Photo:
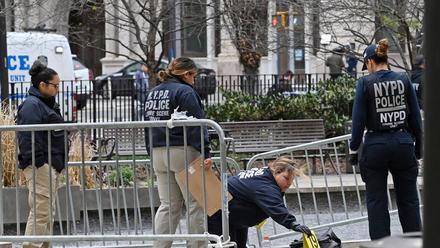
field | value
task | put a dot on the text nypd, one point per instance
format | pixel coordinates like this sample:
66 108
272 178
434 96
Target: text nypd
251 173
157 104
390 102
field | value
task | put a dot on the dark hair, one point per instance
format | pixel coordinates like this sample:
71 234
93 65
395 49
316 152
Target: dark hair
177 68
381 54
41 73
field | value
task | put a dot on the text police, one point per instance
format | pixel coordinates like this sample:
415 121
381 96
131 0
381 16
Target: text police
157 104
390 102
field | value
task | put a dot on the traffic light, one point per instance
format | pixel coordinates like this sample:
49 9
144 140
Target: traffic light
280 19
276 19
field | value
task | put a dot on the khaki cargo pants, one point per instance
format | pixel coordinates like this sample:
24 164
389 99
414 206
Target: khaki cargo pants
169 213
41 212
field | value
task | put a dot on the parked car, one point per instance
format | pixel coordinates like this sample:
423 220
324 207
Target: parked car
83 77
121 81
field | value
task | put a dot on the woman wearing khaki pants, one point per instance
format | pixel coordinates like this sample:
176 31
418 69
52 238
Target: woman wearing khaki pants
40 108
175 91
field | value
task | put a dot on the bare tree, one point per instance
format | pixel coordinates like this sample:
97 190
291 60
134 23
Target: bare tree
38 15
360 21
366 21
149 24
153 25
247 25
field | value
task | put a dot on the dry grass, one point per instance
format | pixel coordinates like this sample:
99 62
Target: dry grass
75 155
9 150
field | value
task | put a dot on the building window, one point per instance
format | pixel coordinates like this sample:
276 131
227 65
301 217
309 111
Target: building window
194 28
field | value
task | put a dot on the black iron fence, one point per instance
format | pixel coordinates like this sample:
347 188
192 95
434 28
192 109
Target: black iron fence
118 100
72 96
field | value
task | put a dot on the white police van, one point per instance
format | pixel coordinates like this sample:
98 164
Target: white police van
26 47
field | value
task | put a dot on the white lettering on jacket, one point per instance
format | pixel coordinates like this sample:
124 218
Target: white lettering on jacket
251 173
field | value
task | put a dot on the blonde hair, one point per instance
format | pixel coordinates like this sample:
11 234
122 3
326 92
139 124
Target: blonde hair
283 164
381 51
177 68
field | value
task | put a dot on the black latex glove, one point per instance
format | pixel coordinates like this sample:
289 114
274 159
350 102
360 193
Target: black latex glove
353 158
300 228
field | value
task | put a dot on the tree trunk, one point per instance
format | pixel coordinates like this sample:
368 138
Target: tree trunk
249 81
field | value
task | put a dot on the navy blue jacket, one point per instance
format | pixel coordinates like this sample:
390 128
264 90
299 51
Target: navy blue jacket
360 108
37 109
257 196
160 104
417 81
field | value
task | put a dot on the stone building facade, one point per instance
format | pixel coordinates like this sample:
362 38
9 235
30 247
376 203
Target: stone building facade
299 48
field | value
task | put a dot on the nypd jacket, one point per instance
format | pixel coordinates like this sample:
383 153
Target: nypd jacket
37 109
386 100
160 104
257 196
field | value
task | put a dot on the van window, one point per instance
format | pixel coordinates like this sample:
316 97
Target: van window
77 65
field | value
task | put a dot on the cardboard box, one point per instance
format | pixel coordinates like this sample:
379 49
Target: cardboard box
195 179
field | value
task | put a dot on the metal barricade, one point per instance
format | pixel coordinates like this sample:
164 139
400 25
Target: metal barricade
104 208
332 185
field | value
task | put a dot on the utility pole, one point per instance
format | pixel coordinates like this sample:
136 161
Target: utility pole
3 55
281 22
291 39
284 22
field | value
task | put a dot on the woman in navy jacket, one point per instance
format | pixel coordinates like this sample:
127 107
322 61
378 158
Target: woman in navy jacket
40 108
386 105
175 92
258 194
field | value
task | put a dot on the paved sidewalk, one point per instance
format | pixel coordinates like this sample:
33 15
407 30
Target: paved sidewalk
334 183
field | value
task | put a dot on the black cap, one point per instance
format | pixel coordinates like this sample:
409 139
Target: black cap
369 52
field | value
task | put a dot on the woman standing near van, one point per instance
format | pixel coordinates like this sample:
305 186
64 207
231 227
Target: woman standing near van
40 108
175 92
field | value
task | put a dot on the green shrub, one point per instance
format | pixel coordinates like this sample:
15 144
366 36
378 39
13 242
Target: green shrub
126 173
336 98
238 106
332 102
